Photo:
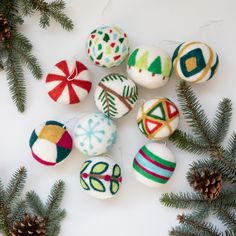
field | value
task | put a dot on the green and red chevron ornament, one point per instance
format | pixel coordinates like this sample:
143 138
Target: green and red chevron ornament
158 118
154 164
149 67
50 143
107 46
101 177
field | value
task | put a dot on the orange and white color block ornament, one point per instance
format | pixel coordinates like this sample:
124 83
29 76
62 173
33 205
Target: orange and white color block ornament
68 82
158 118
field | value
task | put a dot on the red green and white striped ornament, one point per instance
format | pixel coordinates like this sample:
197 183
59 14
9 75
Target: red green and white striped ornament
154 164
69 82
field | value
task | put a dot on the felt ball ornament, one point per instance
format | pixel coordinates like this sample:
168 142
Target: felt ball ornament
154 164
116 95
158 118
94 134
68 82
195 62
101 177
107 46
149 67
50 143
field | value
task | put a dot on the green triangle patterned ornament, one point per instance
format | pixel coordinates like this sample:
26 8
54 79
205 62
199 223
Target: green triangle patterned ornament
154 164
50 143
107 46
149 67
94 134
195 62
116 95
101 177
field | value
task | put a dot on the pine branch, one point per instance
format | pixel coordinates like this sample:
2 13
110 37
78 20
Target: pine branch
194 113
18 210
229 233
11 194
182 231
183 200
203 130
231 147
227 218
16 185
203 229
207 139
52 10
202 212
29 60
53 215
222 120
15 78
224 162
1 65
188 143
35 204
55 197
194 201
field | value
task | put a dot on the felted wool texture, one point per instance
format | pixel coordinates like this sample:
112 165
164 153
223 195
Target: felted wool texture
154 164
68 82
107 46
94 134
116 95
101 177
149 67
50 143
195 62
158 118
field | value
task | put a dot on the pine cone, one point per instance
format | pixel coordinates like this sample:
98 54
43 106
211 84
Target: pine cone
29 225
207 182
5 29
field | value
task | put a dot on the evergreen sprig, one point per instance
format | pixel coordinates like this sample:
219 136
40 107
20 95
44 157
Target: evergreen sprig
51 210
13 206
206 140
16 51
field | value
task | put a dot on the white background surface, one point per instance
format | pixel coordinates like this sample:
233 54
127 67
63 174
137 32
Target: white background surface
136 210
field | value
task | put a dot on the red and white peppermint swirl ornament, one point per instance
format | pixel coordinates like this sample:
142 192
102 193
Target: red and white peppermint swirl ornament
68 82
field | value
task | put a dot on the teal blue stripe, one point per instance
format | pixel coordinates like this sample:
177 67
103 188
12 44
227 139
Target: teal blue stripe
151 167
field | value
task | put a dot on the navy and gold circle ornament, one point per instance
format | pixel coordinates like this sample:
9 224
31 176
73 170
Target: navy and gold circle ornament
195 62
100 177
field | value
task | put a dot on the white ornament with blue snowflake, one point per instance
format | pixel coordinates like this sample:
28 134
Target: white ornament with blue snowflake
94 134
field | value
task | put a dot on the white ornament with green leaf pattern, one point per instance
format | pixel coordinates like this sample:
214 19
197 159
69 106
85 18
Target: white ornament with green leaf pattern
101 177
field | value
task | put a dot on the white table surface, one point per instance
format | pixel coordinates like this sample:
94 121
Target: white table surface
136 210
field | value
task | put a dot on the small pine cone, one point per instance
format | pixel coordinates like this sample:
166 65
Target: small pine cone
5 29
28 226
207 182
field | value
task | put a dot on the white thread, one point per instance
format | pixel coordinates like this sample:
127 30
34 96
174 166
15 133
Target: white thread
105 8
169 42
211 22
74 70
141 100
107 155
78 116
